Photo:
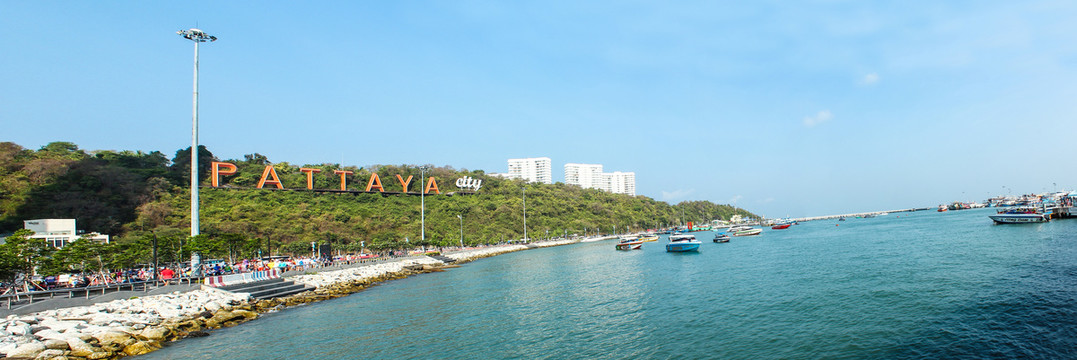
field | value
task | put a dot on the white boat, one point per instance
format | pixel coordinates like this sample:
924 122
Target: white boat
1021 215
682 243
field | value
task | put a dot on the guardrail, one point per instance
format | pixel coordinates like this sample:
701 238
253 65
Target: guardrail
87 291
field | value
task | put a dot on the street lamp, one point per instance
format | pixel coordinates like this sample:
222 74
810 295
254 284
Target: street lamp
422 199
524 190
198 36
461 217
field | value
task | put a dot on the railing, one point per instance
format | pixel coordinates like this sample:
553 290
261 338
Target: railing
87 291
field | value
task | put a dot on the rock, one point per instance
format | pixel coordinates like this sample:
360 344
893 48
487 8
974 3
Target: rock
56 344
155 333
206 314
141 347
100 355
7 347
51 354
196 334
28 350
117 338
80 348
48 334
19 329
29 319
212 306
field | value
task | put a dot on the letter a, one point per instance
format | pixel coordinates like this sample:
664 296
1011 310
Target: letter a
432 185
403 183
375 182
217 172
270 172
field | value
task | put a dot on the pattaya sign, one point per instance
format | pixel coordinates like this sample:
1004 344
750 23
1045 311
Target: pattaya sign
269 177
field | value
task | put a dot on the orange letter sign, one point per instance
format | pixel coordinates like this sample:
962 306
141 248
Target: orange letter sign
270 172
310 176
343 180
432 185
404 183
374 179
231 170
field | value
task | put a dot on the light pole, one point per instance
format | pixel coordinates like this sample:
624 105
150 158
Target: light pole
524 190
422 199
461 231
198 36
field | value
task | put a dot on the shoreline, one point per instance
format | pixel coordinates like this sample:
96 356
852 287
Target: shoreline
139 325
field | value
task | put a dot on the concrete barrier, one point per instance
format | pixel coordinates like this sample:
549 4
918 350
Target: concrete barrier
225 280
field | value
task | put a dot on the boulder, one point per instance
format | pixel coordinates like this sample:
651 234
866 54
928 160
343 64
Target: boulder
28 350
155 333
7 347
51 354
120 339
141 347
80 348
56 344
48 334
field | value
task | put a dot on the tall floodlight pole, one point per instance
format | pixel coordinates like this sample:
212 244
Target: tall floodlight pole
461 230
198 36
422 199
524 190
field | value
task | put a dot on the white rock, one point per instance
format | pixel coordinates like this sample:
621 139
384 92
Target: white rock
7 347
28 350
49 334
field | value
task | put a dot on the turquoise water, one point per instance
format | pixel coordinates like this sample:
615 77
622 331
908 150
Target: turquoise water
920 285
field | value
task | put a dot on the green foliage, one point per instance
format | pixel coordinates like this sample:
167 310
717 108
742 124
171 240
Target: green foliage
138 197
21 254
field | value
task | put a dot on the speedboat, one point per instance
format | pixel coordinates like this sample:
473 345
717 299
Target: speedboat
1021 215
649 238
682 243
721 238
629 245
744 231
781 226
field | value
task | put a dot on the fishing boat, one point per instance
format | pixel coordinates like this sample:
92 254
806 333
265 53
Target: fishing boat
943 208
629 245
1021 215
781 226
649 238
682 243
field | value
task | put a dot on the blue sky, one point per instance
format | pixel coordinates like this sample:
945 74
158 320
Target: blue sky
786 108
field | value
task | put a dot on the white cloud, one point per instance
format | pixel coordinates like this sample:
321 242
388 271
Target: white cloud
676 194
870 79
735 198
821 117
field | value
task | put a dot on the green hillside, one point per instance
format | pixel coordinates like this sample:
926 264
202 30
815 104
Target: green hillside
134 195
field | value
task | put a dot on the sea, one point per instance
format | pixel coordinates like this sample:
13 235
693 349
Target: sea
899 286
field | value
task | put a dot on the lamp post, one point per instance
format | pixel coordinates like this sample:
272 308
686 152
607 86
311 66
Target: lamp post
422 199
198 36
524 191
461 217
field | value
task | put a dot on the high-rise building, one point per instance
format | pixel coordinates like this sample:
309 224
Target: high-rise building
618 182
532 169
587 176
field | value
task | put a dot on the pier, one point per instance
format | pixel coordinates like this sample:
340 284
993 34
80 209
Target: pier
828 217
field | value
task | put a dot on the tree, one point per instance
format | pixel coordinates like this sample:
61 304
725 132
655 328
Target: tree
20 254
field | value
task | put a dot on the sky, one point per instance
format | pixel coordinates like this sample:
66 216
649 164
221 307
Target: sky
783 108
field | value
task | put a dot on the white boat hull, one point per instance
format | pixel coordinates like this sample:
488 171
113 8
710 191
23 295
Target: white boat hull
1018 218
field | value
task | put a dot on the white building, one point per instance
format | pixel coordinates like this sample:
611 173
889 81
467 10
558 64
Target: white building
58 232
618 182
532 169
587 176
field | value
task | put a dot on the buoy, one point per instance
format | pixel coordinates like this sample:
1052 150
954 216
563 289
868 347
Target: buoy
837 224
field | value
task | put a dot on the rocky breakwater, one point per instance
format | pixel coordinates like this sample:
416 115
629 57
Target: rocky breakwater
122 327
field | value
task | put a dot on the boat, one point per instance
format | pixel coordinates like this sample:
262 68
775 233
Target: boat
721 238
682 243
630 237
1020 215
744 231
841 218
781 226
629 245
649 238
943 208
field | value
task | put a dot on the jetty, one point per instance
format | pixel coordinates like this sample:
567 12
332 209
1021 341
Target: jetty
861 214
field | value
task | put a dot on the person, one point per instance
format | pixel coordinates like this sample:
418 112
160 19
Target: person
167 274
